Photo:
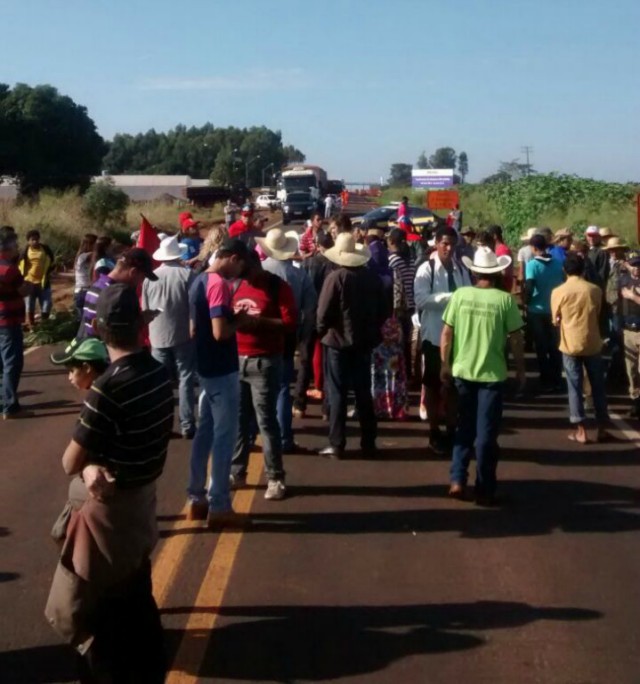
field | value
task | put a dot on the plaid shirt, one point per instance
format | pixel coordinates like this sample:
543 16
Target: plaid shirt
308 242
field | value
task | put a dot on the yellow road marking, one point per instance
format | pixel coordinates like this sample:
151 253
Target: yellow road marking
200 624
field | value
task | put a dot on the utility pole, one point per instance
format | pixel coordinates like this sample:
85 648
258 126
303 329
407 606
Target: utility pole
527 150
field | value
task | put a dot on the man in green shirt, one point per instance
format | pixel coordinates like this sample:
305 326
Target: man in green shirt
478 321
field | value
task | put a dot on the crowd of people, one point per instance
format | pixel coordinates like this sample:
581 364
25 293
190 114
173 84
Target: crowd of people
367 312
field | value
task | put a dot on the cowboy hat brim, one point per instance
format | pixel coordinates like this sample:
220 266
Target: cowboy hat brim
349 259
162 255
287 251
503 263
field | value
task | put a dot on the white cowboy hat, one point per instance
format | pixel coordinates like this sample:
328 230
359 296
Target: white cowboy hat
485 261
347 252
529 234
278 244
170 250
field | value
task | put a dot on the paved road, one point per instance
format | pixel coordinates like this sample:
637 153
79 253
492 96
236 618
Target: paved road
367 573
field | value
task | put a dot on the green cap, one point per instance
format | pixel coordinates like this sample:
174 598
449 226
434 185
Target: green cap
91 349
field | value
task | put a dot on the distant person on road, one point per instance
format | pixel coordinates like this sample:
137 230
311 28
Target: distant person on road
328 206
454 218
435 282
501 249
349 326
230 209
403 208
465 246
309 240
344 196
101 600
167 300
478 321
13 290
561 244
82 270
575 309
36 265
597 255
629 311
525 254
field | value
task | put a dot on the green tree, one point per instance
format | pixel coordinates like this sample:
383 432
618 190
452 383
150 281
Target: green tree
226 167
443 158
400 175
104 204
423 161
292 155
463 165
47 139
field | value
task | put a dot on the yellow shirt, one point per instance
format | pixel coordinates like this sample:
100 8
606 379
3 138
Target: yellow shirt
37 259
575 307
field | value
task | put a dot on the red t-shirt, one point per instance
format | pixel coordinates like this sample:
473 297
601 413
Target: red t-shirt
11 301
507 278
236 229
270 297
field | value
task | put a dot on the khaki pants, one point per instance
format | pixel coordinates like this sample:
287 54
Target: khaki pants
632 361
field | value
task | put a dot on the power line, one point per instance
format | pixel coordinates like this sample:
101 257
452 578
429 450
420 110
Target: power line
527 150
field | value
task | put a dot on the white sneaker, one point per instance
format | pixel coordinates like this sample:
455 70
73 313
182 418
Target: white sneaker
276 490
423 412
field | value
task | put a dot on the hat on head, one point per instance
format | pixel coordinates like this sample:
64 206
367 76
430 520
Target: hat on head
529 234
170 250
592 230
231 247
562 234
615 242
347 252
190 223
89 349
606 232
485 261
138 258
467 230
278 244
117 307
247 210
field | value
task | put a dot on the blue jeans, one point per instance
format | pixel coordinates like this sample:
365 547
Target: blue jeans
180 361
285 405
573 368
11 363
260 380
42 295
216 435
479 418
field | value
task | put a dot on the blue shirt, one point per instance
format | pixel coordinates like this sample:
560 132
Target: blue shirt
210 297
544 274
559 253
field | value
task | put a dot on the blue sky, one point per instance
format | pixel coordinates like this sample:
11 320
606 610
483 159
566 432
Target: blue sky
356 85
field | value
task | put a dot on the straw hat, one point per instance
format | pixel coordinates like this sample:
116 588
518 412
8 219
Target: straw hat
485 261
606 232
615 243
562 234
529 234
170 250
347 252
278 244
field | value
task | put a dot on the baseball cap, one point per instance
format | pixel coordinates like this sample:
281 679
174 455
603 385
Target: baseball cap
233 246
89 349
592 230
140 259
247 210
117 306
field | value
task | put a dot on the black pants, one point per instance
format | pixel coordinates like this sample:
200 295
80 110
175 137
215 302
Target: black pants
549 357
128 646
305 370
346 369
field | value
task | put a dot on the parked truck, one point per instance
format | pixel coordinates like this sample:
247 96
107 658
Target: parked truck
302 178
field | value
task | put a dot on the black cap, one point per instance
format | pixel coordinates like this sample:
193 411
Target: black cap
140 259
231 246
117 306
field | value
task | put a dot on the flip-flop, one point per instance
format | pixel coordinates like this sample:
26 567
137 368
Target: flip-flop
574 438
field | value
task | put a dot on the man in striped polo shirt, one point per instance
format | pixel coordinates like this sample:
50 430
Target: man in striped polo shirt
120 446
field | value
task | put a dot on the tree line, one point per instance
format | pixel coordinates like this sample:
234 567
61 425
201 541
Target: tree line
47 140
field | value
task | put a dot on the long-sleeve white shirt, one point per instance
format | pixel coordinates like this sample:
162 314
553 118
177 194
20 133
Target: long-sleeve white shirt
431 290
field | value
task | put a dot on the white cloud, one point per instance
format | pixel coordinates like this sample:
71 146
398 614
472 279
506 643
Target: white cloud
256 79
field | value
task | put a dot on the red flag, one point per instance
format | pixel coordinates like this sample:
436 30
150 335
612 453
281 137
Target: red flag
148 238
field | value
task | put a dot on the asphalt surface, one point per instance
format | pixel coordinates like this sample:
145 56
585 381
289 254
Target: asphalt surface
367 572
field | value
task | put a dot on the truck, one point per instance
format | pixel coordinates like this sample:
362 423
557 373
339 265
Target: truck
302 178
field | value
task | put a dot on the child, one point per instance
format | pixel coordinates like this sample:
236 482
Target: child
389 374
